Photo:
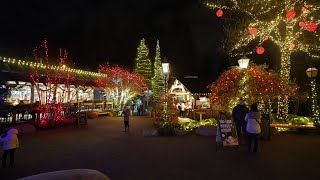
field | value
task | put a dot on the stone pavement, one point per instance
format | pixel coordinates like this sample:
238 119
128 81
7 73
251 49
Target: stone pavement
104 146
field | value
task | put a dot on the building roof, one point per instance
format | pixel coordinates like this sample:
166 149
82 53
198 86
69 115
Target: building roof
192 84
19 70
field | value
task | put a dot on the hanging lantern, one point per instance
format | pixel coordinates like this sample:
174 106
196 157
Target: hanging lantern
253 31
301 24
292 46
312 27
219 13
260 50
291 14
304 10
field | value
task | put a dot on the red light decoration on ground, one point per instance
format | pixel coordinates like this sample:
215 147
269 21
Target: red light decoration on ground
253 31
219 13
312 27
291 14
260 50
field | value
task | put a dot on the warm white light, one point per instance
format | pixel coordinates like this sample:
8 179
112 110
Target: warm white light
165 68
243 62
312 72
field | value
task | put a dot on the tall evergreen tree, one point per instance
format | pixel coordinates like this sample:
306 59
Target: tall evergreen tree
157 80
143 63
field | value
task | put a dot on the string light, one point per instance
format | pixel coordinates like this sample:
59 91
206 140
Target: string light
50 67
157 80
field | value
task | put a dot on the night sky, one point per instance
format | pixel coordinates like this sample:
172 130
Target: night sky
94 32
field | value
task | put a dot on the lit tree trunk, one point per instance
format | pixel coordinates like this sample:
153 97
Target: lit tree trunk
283 104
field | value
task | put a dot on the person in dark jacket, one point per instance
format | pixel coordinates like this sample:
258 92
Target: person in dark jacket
238 114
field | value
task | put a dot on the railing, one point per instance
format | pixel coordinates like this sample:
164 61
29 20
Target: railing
205 113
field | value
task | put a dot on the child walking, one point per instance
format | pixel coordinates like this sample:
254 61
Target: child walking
126 114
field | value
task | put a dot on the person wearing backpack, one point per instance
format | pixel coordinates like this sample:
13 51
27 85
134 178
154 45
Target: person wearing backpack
253 119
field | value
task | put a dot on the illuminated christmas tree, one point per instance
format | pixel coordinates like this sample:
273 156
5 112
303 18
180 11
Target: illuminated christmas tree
143 63
290 24
157 80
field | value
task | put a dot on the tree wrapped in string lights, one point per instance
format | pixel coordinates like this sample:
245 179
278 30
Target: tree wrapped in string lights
157 80
171 113
262 85
120 84
52 77
143 62
290 24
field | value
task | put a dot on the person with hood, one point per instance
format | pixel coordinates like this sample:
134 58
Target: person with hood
10 144
238 114
253 119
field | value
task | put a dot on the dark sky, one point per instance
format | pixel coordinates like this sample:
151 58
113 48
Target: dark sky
96 31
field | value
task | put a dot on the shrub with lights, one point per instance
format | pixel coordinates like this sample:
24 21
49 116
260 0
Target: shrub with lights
168 121
261 86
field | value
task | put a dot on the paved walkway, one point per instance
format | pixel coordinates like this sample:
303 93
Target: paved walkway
104 146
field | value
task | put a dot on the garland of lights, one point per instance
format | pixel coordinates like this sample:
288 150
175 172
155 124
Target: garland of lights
293 21
314 95
39 65
157 80
143 63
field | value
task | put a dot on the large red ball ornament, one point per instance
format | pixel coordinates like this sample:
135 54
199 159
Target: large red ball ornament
260 50
301 24
304 10
291 14
219 13
253 31
292 46
312 27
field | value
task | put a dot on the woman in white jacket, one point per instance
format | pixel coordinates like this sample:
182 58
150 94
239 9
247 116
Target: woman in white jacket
253 119
10 144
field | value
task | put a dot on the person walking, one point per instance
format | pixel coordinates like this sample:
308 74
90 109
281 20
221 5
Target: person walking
253 119
126 114
10 144
238 114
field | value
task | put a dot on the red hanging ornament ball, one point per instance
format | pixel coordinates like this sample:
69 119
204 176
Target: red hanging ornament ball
292 46
260 50
219 13
301 24
304 10
291 14
253 31
312 27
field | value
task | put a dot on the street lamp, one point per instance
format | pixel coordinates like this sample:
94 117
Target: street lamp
165 71
312 74
243 64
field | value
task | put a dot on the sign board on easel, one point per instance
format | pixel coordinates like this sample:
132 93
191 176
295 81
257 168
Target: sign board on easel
227 133
82 119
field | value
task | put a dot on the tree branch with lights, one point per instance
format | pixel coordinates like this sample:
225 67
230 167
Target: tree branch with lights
120 84
292 25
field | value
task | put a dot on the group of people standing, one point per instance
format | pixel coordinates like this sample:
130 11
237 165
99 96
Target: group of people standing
247 123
